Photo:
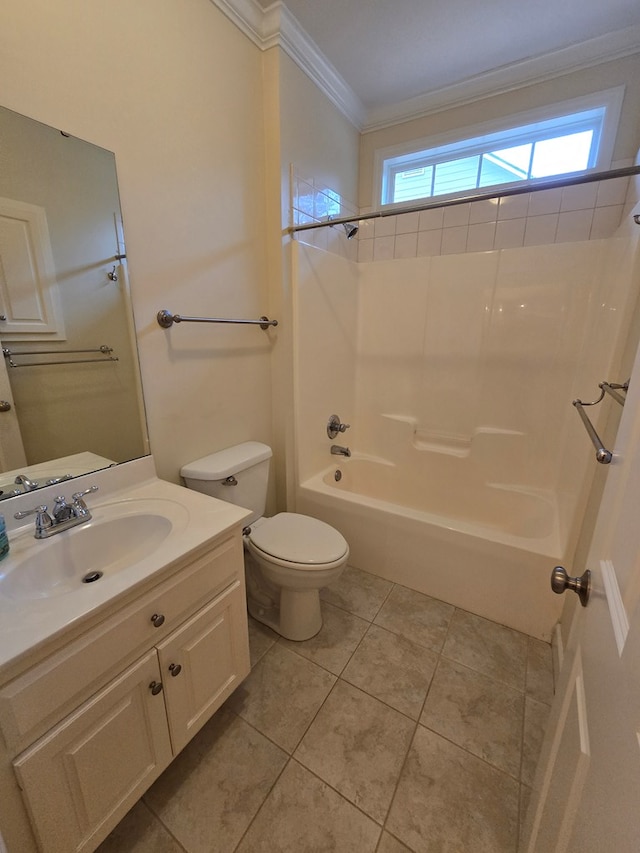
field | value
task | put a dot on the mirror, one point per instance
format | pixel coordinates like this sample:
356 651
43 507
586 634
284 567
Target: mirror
70 391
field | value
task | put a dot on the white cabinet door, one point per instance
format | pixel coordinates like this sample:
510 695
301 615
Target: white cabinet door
82 777
203 662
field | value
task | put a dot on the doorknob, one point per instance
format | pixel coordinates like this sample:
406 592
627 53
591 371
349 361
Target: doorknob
5 406
560 581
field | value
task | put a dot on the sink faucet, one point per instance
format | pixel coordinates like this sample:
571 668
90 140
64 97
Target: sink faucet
337 450
29 485
63 515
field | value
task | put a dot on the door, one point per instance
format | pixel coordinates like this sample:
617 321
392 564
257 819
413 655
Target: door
29 299
12 453
587 792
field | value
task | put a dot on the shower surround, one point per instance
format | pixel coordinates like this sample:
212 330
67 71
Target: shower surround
470 469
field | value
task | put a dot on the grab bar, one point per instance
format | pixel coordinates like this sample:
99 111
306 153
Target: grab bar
603 455
166 319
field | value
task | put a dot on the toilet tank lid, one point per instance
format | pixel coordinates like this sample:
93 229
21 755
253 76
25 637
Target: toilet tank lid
224 463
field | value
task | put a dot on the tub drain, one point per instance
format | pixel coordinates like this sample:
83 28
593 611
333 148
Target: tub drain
90 577
337 476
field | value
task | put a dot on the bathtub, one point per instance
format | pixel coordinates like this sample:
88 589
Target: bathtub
487 548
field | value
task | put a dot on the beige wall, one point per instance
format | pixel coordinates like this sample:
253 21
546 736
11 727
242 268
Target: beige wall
321 144
587 80
316 137
175 90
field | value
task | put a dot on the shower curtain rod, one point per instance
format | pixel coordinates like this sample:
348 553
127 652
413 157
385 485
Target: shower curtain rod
556 183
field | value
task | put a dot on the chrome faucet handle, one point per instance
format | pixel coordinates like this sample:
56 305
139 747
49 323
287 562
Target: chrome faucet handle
43 519
79 506
334 426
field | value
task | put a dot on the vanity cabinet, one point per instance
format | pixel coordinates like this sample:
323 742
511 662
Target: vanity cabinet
91 726
96 761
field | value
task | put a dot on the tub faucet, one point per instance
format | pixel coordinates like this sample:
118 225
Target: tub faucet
336 450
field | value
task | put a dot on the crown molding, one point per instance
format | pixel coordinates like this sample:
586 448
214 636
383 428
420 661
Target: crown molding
275 26
308 56
247 15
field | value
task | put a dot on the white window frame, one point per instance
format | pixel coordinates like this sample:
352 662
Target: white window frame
610 99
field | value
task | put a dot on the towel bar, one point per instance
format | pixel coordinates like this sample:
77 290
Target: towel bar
166 319
603 455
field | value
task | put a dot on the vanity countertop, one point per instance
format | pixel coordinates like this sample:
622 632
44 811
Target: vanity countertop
28 623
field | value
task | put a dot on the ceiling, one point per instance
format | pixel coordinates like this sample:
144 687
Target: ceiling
392 51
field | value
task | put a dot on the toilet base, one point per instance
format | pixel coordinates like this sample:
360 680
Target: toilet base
293 613
297 618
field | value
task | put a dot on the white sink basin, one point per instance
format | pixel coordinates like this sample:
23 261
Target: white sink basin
117 537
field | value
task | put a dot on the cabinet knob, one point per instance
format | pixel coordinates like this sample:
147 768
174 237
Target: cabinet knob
155 687
175 669
157 619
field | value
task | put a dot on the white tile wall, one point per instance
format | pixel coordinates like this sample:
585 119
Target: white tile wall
312 201
584 212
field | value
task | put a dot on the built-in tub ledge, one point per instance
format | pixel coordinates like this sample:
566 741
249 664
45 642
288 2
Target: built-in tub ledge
452 444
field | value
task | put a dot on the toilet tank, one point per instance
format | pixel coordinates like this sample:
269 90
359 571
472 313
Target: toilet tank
247 464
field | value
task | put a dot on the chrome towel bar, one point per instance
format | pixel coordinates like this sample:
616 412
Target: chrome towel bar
166 319
603 455
105 350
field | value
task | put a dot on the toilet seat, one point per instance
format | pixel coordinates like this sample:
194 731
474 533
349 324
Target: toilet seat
291 538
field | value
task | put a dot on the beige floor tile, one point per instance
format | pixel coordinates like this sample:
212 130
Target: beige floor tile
525 800
449 800
393 669
261 638
539 671
536 715
389 844
487 647
358 592
208 796
281 695
358 746
336 641
419 618
303 815
139 832
478 714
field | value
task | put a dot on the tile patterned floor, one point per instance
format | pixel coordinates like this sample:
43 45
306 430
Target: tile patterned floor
404 725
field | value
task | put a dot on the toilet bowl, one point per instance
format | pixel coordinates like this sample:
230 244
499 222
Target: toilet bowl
288 557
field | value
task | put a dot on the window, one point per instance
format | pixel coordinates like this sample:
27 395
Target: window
570 137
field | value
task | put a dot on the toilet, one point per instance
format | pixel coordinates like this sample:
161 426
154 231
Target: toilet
288 557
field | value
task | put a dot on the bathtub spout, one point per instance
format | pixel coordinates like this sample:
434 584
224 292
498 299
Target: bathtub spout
336 450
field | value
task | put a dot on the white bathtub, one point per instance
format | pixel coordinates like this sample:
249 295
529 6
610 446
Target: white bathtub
488 549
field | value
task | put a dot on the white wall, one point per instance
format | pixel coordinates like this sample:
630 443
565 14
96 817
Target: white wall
175 90
326 322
